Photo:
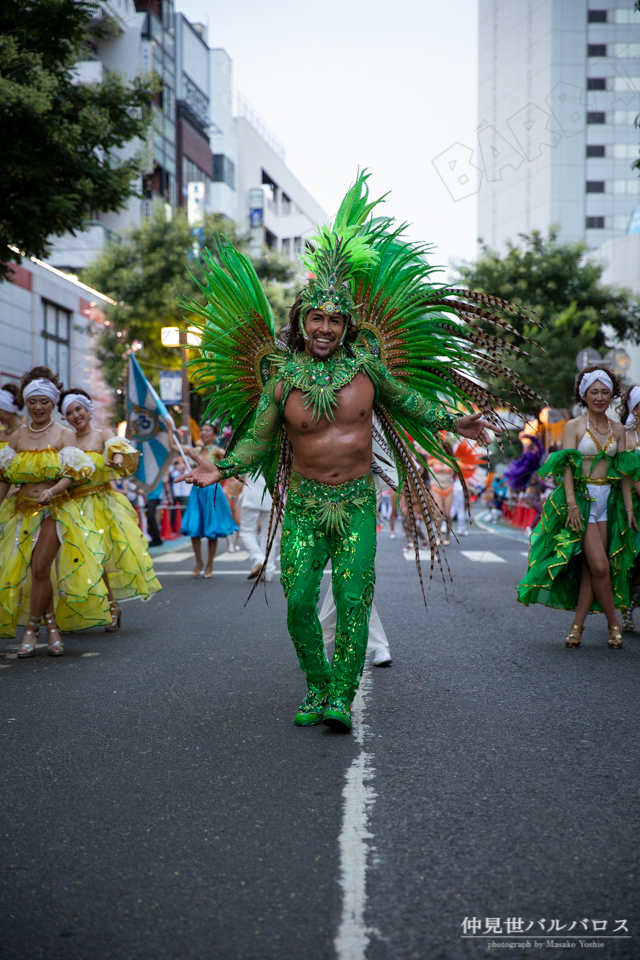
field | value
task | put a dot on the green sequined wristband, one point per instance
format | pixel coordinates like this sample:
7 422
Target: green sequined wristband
230 466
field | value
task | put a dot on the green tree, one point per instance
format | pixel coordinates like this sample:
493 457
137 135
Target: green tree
59 137
146 272
556 282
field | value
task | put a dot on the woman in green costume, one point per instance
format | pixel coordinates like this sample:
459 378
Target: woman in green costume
581 549
629 413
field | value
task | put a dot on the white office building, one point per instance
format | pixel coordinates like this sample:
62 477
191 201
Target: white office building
48 317
559 91
202 132
130 51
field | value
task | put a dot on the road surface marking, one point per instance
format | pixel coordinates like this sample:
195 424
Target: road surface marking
482 556
410 555
173 556
353 935
216 573
524 554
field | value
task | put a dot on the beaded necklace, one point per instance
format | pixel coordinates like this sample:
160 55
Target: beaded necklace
320 380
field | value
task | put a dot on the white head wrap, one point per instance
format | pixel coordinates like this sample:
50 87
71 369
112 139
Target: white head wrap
590 378
41 388
632 402
7 403
76 398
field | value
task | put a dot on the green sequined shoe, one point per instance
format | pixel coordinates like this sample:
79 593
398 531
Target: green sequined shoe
311 710
337 714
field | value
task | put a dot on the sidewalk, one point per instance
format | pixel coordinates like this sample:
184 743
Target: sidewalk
501 529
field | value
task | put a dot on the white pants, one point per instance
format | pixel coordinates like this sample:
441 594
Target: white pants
457 506
329 618
249 535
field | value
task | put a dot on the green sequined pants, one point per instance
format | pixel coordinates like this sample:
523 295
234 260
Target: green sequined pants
323 522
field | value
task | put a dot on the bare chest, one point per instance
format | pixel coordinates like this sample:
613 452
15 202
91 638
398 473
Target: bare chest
354 408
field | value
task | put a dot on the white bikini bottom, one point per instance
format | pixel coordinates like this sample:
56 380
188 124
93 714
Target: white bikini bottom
599 495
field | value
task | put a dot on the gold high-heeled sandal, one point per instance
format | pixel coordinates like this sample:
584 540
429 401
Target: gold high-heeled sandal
27 648
627 621
55 647
574 637
116 613
615 638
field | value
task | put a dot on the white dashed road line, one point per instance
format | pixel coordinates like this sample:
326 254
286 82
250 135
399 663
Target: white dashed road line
353 935
482 556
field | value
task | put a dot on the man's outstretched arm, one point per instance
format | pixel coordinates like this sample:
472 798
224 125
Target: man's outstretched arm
251 451
403 400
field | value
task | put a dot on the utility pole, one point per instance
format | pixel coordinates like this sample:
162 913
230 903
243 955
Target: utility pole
186 402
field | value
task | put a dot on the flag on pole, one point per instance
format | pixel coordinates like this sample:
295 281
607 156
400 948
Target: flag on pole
147 417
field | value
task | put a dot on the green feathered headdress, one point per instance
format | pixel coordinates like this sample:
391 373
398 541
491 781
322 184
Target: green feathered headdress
336 252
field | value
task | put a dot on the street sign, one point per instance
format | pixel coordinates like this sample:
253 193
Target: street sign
587 357
617 360
195 203
171 386
256 206
170 337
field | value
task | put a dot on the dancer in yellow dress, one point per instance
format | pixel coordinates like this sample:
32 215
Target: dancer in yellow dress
128 570
44 524
10 407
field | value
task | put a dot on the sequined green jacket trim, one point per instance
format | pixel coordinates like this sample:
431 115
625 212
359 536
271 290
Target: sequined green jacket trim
294 372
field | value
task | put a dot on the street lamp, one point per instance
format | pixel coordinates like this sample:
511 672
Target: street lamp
179 337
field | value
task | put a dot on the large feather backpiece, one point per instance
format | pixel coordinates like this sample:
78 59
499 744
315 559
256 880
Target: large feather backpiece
443 342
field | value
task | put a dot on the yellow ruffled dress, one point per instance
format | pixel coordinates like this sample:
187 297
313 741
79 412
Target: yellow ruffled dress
127 561
80 596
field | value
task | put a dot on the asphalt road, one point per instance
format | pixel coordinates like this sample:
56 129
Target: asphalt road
158 803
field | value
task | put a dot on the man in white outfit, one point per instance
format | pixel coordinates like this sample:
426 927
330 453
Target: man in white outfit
377 645
255 504
458 509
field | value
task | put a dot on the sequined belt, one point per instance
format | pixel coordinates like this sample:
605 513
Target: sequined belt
304 487
327 503
22 504
605 482
80 491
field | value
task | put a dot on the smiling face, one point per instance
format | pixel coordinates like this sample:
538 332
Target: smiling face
77 416
324 331
207 434
40 409
598 397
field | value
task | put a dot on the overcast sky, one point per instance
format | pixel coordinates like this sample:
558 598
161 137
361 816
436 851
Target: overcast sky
369 83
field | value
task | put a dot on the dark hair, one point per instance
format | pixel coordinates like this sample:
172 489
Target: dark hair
39 373
14 390
617 389
623 407
65 393
294 339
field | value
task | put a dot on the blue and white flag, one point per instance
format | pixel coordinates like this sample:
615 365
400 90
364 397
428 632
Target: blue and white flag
147 419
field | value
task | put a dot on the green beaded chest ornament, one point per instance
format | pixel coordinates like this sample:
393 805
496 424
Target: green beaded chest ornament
320 380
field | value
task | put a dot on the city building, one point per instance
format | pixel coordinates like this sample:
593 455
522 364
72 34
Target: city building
198 135
48 317
140 39
273 206
193 107
559 91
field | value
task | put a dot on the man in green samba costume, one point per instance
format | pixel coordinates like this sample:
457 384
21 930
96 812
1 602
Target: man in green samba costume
315 410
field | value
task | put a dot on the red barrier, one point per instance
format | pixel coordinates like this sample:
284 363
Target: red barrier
177 521
165 531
